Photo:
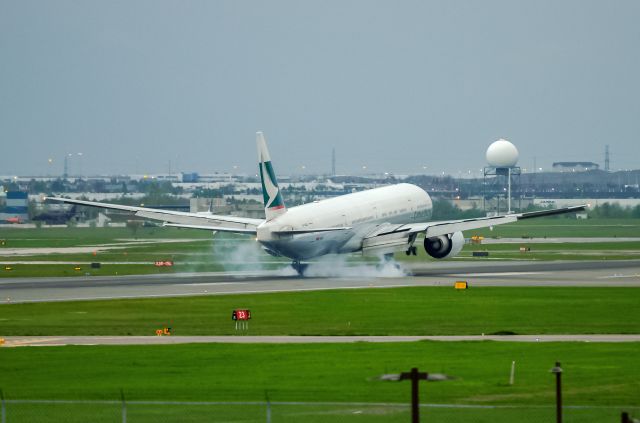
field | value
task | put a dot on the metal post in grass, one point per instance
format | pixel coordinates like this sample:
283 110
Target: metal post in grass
266 394
513 373
625 417
124 407
557 370
3 412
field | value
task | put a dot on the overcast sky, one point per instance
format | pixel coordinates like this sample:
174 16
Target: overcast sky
141 86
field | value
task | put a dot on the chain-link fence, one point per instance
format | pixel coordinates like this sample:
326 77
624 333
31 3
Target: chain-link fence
53 411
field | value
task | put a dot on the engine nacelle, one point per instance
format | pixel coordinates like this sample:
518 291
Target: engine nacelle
444 246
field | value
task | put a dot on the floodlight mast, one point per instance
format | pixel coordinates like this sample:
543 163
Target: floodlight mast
415 376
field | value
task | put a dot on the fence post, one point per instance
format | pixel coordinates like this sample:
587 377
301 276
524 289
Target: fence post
513 373
124 407
625 417
3 413
268 407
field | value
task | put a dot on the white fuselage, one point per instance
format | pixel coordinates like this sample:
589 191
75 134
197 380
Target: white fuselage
362 212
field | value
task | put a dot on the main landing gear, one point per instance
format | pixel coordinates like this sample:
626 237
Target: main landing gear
299 267
388 260
412 251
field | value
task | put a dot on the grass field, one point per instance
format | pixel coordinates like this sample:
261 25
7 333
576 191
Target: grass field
605 376
201 257
16 237
198 252
538 228
398 311
556 227
594 374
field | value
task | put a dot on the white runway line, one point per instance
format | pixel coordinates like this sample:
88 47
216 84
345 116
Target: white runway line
18 341
479 275
619 276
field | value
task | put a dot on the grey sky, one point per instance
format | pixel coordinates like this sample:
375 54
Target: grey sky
394 85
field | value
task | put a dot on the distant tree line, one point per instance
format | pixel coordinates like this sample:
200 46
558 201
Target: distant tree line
615 210
444 209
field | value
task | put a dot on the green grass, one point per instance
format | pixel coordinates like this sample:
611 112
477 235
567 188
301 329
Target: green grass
107 269
198 252
563 227
558 247
397 311
199 256
541 251
556 251
72 236
594 373
197 412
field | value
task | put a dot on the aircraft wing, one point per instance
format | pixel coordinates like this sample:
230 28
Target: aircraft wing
179 219
432 229
389 235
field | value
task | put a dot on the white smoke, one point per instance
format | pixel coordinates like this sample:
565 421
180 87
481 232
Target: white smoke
248 256
242 255
338 266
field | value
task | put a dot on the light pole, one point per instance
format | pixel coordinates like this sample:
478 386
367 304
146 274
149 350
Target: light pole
80 164
415 376
557 370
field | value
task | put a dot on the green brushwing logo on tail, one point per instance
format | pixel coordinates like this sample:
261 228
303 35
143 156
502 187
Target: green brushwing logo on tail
270 190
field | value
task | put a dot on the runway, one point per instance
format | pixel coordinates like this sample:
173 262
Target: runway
486 273
42 341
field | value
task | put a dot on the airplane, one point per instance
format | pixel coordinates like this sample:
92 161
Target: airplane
379 221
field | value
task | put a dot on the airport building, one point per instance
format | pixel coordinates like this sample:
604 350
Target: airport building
574 166
15 207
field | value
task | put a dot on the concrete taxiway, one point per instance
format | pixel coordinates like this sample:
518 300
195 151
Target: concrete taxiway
23 341
487 273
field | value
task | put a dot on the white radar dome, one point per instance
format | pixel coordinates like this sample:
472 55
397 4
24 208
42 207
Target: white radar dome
502 153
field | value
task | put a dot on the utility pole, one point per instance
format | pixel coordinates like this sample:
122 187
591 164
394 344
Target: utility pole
333 162
606 158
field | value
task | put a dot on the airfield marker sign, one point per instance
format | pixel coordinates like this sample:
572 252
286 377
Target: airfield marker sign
241 317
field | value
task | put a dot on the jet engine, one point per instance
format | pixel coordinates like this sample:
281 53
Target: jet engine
444 246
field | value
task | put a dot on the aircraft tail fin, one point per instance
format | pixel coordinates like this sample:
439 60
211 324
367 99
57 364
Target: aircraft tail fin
273 202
